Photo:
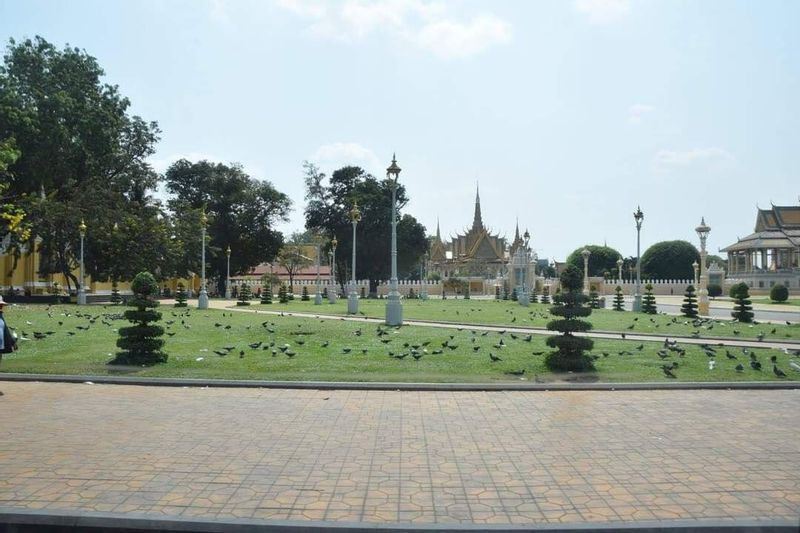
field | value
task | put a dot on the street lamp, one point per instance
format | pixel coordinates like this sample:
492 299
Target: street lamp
332 291
638 216
586 253
394 309
423 293
695 266
81 287
228 278
702 300
202 300
318 296
352 297
524 299
619 269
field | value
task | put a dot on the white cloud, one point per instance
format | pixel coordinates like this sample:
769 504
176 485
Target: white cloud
338 154
708 158
422 23
637 112
602 11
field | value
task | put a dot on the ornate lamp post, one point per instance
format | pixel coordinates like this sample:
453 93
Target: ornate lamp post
619 270
318 295
332 291
702 300
394 309
524 298
352 297
695 266
586 253
423 293
638 216
81 285
202 301
228 278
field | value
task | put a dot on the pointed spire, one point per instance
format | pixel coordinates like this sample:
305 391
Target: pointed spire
438 233
516 231
477 221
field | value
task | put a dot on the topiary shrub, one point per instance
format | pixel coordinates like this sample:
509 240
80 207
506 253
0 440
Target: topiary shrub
140 343
742 310
689 307
505 291
283 294
363 293
569 306
266 294
466 292
779 293
304 294
116 299
594 299
648 300
180 296
497 292
619 301
714 290
325 292
514 296
244 295
545 295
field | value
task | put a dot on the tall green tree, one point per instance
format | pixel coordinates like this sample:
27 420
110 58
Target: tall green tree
329 202
242 213
670 260
603 259
569 307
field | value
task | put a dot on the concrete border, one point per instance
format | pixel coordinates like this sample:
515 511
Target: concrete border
24 520
400 386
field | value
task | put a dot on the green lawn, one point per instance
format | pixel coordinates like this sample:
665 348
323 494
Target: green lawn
195 335
537 315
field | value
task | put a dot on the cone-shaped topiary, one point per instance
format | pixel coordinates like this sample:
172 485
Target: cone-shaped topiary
648 300
497 292
466 292
742 310
266 294
545 294
594 299
514 296
619 301
363 293
325 292
569 306
180 296
689 307
505 291
116 299
244 294
140 343
283 294
411 294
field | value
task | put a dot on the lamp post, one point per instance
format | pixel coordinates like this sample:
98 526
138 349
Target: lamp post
619 270
318 295
332 291
586 253
352 297
202 300
638 216
702 300
524 298
394 309
81 287
228 277
423 293
695 267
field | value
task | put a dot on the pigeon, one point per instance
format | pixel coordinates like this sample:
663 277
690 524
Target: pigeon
516 372
290 353
740 367
346 350
794 366
760 336
437 352
729 355
255 345
221 353
241 354
755 365
494 358
537 353
325 344
778 372
668 371
416 356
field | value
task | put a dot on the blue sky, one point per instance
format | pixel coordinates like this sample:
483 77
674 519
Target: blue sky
569 113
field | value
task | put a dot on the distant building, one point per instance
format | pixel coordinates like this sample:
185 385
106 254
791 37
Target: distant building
771 254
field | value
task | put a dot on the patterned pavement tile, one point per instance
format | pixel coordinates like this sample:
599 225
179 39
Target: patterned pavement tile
410 457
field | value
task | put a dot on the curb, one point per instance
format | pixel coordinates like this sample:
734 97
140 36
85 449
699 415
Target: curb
29 521
401 386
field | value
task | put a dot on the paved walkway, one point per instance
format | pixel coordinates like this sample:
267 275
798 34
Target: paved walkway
386 456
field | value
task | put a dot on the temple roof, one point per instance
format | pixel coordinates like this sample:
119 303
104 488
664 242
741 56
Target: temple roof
777 227
778 217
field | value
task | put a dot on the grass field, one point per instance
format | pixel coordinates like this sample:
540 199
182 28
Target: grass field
537 315
319 346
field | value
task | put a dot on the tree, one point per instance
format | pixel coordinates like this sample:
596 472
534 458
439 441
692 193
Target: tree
594 299
266 294
13 224
293 260
140 343
649 301
180 296
779 293
304 296
603 259
714 290
245 294
670 260
742 308
545 294
283 295
466 291
619 301
116 299
570 355
242 213
329 202
689 307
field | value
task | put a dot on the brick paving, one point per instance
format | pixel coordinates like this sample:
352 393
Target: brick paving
387 456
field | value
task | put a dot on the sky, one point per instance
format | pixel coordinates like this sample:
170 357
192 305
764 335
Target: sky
568 113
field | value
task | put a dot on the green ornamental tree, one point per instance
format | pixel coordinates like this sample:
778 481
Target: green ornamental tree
594 299
325 292
266 294
505 291
283 294
545 294
619 301
497 292
304 295
714 290
514 294
570 355
116 299
180 296
742 308
244 294
649 300
601 260
140 343
779 293
466 292
670 260
689 307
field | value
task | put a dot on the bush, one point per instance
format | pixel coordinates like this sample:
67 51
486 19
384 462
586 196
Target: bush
180 296
742 310
569 355
466 292
283 294
514 296
497 292
670 260
325 292
714 290
648 300
363 293
116 299
304 294
689 307
602 259
266 294
619 301
411 294
594 299
545 294
244 294
779 293
505 291
140 343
